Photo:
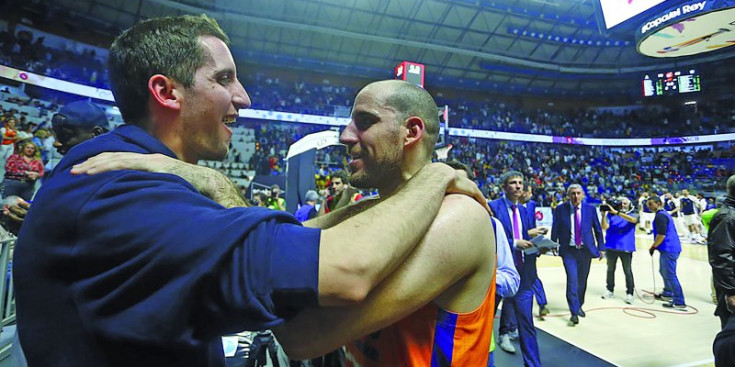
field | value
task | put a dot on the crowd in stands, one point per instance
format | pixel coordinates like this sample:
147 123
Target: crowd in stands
549 167
707 118
268 92
23 51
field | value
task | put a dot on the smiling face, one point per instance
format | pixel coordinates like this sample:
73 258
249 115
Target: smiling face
374 140
209 104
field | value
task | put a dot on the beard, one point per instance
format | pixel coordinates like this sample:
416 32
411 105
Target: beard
377 173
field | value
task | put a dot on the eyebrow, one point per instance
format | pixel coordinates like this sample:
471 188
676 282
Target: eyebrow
225 71
363 114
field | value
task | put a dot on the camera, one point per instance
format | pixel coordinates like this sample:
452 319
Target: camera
612 204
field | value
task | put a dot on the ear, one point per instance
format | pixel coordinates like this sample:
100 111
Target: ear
97 131
415 130
164 92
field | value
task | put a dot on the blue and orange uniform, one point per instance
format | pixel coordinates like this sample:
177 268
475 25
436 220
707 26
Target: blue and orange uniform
430 337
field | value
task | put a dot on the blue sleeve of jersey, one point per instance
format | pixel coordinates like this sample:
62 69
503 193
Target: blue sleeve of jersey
157 260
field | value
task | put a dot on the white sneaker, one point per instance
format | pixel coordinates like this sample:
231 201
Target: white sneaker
513 334
629 299
505 344
608 295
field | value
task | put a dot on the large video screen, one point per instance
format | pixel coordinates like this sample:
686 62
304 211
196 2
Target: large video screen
669 83
615 12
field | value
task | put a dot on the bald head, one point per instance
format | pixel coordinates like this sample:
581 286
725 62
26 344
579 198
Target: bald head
731 185
410 100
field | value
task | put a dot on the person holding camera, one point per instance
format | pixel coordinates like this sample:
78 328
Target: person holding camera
275 201
618 222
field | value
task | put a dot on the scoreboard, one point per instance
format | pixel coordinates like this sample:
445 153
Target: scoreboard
670 83
411 72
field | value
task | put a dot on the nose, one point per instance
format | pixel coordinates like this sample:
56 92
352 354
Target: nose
240 97
349 135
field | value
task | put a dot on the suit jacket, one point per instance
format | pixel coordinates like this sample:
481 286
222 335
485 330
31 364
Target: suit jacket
531 209
590 227
501 212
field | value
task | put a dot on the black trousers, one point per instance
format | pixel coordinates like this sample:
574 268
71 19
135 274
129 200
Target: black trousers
625 259
724 345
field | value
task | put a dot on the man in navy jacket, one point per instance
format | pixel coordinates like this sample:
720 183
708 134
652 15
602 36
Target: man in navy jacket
577 230
519 230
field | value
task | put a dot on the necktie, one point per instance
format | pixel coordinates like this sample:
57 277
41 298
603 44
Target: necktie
516 226
577 228
517 255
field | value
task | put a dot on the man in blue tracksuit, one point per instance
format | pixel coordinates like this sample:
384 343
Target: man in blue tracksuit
514 217
666 241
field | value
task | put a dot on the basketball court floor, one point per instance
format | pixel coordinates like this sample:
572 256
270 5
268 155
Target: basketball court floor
643 334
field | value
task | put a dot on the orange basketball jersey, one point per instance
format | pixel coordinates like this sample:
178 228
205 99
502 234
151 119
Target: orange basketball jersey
429 337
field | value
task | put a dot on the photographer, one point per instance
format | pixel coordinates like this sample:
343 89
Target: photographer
275 201
618 221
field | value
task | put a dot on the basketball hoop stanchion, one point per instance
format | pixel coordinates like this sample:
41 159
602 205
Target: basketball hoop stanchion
443 152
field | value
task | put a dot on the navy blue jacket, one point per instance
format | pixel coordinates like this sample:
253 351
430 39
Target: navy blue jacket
531 209
130 268
500 209
590 228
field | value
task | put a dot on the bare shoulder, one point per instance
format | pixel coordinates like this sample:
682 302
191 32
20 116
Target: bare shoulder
468 249
466 220
463 207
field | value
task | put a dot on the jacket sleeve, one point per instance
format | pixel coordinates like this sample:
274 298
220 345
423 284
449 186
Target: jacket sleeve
555 224
721 244
158 261
597 229
507 279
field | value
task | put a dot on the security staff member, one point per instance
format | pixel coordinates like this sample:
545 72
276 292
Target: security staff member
619 226
666 241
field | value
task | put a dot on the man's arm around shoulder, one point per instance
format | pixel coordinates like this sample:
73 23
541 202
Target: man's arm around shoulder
456 255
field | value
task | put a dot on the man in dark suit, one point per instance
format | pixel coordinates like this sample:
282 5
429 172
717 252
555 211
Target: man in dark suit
577 230
518 229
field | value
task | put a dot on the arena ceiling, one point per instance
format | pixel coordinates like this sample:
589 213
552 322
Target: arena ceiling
530 46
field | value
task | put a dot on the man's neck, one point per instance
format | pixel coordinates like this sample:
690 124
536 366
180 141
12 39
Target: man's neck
407 172
514 202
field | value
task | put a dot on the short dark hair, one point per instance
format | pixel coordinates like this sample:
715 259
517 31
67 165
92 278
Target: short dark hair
165 45
341 174
655 199
505 177
461 166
